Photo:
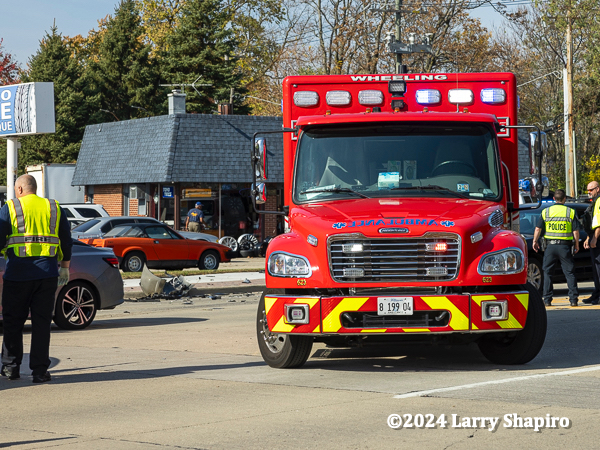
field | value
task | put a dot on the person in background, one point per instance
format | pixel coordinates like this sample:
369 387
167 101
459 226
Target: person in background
195 217
562 235
37 237
593 213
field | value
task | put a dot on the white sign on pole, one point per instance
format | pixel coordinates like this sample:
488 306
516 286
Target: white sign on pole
27 108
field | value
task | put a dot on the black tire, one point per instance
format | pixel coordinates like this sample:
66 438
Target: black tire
281 351
209 260
76 306
133 262
535 275
519 347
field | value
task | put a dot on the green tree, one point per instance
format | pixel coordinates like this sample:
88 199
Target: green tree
201 51
123 72
75 105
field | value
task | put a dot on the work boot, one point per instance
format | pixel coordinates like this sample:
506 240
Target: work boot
42 378
590 301
548 302
573 302
11 372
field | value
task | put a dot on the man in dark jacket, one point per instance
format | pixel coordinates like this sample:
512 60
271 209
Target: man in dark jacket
36 237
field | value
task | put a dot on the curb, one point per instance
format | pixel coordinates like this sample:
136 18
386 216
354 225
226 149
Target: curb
198 291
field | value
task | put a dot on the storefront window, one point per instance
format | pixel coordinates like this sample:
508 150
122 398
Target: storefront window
234 215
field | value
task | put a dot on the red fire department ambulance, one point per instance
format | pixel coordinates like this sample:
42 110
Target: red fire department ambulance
401 195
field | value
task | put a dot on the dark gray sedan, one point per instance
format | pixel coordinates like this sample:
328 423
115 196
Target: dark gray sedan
94 283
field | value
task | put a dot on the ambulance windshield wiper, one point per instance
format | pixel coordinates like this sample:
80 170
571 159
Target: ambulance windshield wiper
333 189
430 187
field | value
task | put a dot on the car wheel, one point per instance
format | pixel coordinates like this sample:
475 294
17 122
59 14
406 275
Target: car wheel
209 260
519 347
281 351
535 275
133 262
230 242
76 306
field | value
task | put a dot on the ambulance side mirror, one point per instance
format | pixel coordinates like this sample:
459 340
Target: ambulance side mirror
260 159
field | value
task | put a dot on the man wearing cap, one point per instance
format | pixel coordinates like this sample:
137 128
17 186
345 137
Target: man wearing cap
195 217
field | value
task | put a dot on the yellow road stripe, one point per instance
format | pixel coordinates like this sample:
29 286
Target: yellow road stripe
458 320
332 323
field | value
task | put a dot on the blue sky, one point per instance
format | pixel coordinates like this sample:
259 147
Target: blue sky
23 23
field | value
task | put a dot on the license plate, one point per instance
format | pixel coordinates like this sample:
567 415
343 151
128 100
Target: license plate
394 306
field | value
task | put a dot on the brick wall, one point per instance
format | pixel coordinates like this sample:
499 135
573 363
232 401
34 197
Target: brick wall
133 207
111 197
270 220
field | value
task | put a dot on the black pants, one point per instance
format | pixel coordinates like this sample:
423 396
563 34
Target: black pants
595 255
553 254
19 298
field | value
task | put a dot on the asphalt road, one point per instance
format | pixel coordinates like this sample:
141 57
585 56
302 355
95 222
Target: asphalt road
180 375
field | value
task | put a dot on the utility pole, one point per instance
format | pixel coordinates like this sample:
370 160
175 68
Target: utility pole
570 159
398 6
395 45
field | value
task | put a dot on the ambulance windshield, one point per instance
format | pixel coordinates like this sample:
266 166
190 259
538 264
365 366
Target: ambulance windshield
390 160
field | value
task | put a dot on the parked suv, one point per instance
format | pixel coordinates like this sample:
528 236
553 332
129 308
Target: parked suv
77 213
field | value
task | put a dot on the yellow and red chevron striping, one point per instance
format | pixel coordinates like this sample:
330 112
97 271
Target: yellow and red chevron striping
276 320
465 313
518 303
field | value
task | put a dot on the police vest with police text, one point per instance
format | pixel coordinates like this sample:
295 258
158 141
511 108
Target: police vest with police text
34 222
558 220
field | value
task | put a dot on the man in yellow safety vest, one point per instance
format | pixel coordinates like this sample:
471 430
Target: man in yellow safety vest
561 231
35 237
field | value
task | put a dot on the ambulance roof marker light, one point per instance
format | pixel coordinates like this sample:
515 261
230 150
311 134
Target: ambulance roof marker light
460 96
338 98
428 96
370 97
493 96
306 99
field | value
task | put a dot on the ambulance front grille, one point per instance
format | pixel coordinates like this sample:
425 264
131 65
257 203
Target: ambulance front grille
414 259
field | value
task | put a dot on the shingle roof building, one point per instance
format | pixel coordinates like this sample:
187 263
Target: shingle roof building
176 148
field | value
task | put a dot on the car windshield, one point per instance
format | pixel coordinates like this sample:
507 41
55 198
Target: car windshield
386 160
85 225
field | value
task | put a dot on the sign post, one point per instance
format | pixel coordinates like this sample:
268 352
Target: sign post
25 109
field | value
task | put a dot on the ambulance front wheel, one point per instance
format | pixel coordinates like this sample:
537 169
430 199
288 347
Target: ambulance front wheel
519 347
281 351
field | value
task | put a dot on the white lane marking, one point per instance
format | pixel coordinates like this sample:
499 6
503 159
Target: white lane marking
487 383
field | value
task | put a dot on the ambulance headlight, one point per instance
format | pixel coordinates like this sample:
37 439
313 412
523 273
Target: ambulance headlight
504 262
283 264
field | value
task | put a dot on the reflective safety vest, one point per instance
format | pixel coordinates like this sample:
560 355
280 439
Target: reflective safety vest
558 220
34 222
596 214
